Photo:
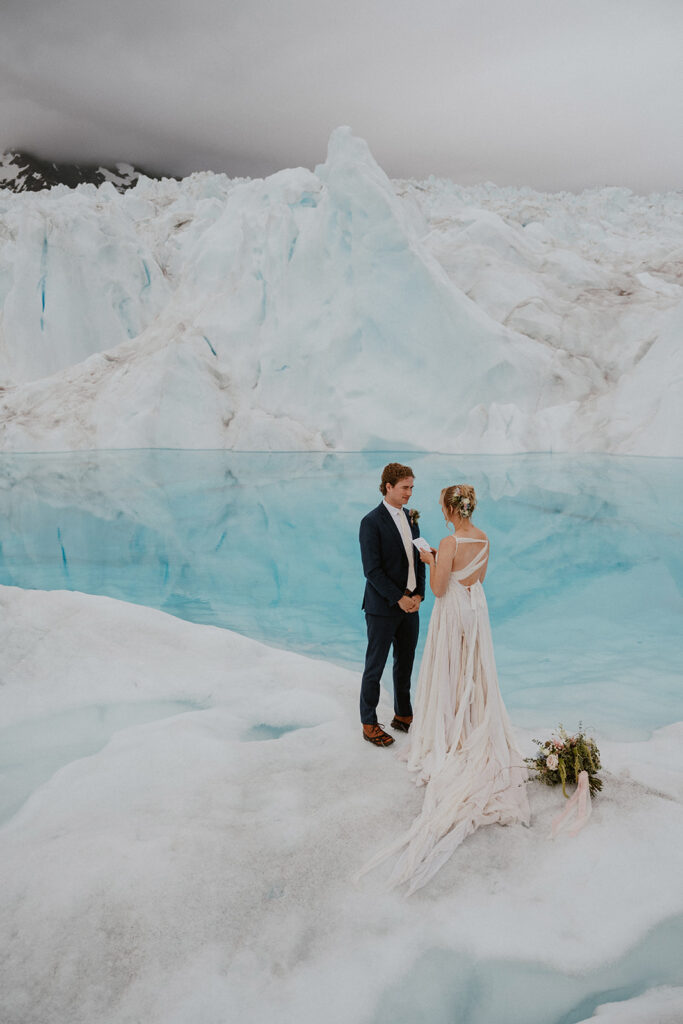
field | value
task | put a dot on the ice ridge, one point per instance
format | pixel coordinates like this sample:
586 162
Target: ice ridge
335 310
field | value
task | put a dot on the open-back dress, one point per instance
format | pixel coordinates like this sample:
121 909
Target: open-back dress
461 744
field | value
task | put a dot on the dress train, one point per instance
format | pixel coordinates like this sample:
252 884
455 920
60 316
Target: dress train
461 743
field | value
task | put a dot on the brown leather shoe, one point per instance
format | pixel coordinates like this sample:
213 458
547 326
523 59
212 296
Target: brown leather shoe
376 734
401 723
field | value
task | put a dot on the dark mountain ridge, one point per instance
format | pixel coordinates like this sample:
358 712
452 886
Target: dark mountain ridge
24 172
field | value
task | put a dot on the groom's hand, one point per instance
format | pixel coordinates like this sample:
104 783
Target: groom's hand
407 604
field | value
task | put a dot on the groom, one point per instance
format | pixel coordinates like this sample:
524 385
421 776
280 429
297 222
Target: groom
394 588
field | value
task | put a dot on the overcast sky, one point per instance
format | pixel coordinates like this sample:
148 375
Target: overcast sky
550 93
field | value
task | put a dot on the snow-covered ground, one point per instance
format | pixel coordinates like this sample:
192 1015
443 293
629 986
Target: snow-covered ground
196 867
332 309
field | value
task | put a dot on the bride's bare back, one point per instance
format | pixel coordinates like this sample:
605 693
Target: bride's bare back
468 547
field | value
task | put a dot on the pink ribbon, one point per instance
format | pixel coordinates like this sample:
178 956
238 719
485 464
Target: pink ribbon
577 811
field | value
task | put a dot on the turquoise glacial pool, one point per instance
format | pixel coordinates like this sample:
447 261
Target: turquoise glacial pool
585 584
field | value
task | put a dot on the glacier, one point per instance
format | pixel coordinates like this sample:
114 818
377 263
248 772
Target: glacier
334 309
182 807
189 860
174 849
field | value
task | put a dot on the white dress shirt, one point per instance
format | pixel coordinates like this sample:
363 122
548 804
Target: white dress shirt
399 517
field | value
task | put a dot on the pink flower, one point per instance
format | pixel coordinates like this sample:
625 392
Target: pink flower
559 745
552 761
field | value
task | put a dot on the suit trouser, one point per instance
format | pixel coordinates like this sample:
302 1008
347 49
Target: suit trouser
400 629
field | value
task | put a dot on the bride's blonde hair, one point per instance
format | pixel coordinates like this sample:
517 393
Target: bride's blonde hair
459 498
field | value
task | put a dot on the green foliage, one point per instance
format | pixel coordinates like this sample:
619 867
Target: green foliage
568 757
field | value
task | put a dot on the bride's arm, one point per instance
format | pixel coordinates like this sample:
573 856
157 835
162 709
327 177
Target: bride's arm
439 568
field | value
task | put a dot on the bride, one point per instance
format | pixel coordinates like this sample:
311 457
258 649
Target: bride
461 745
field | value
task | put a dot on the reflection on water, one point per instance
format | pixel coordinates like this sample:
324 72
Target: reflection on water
585 581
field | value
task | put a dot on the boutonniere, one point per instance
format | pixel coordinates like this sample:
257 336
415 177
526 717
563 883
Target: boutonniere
413 516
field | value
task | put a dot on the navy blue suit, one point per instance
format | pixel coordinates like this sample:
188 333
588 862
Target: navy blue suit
385 565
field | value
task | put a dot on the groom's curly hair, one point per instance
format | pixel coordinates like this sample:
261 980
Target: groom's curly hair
392 473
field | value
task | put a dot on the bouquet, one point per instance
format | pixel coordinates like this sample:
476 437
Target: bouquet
561 758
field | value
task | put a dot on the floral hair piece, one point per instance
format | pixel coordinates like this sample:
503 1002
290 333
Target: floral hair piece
464 504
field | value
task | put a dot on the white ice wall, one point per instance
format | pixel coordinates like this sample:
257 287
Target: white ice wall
76 277
331 309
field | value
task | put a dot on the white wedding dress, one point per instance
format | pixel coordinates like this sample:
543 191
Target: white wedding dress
461 744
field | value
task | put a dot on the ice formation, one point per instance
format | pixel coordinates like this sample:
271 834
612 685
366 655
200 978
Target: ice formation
332 309
176 851
219 889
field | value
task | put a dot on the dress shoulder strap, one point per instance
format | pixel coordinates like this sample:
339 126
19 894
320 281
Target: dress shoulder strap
476 563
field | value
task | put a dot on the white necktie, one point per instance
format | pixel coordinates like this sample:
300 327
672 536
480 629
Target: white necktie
408 545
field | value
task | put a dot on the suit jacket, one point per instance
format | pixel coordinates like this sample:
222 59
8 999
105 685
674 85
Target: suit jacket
385 562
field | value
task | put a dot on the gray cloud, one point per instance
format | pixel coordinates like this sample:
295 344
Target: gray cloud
539 92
